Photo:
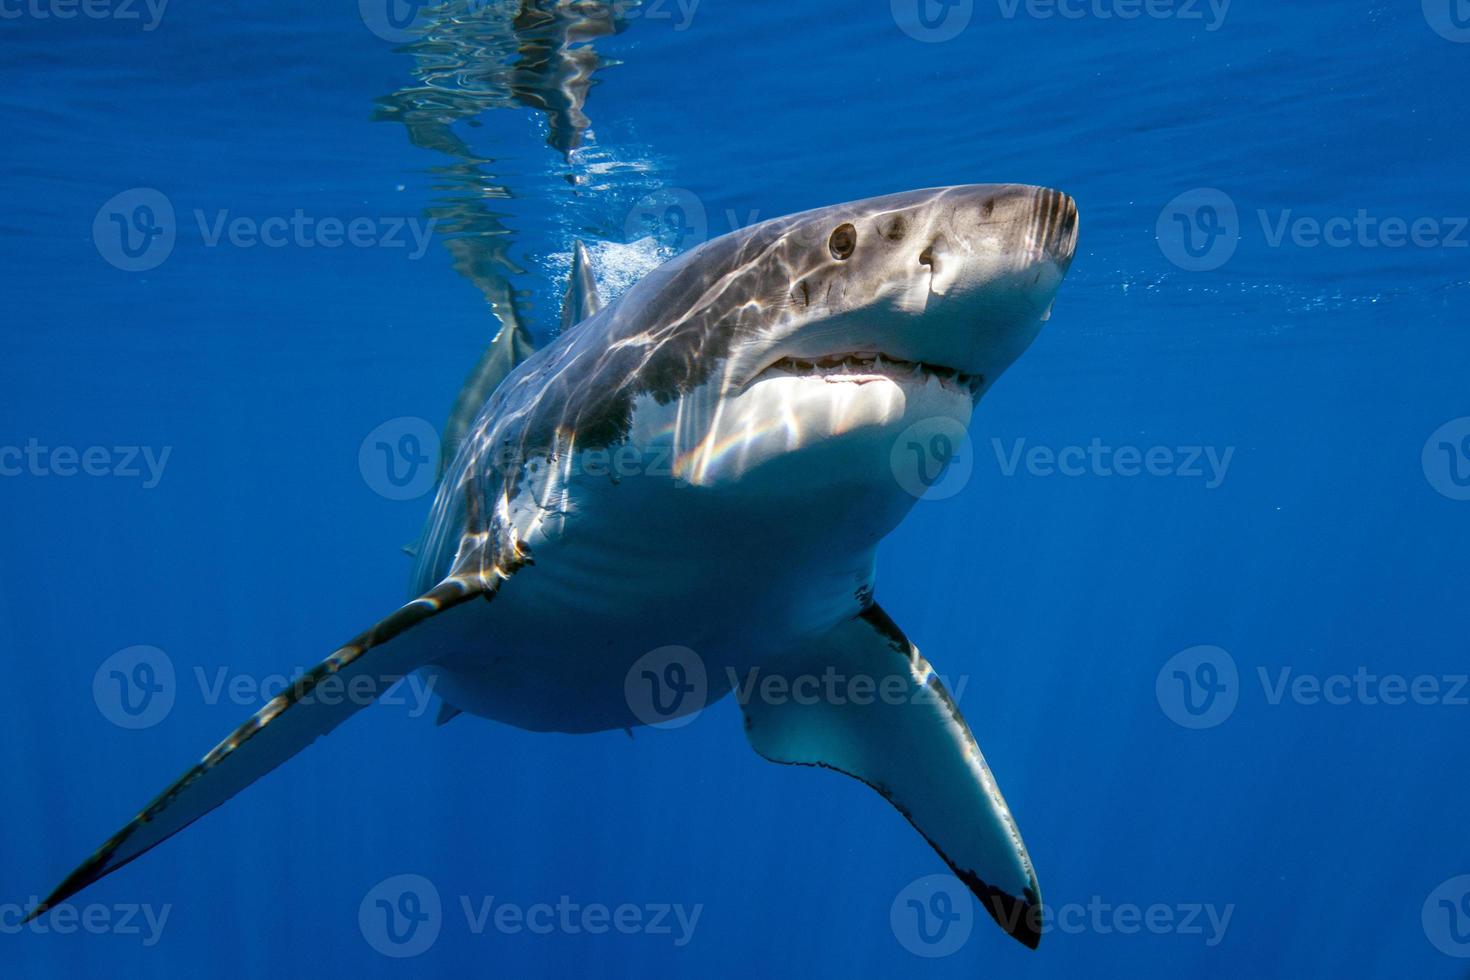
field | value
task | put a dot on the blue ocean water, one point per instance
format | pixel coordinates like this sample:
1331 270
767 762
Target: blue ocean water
1205 585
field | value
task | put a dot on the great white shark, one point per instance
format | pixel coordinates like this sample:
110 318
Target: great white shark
694 479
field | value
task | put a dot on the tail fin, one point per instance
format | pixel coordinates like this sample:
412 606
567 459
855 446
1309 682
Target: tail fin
291 722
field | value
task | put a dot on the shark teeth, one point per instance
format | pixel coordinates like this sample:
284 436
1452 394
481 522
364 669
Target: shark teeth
861 367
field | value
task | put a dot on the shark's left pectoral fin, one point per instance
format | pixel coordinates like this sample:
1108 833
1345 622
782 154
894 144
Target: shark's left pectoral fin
864 702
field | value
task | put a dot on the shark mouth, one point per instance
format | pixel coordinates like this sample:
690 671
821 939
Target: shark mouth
861 367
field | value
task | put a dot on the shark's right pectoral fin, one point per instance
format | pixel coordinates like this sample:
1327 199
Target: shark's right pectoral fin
889 722
312 706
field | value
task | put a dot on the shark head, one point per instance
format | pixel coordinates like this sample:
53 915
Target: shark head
838 329
952 283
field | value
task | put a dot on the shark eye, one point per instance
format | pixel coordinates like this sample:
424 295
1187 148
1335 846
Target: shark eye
843 241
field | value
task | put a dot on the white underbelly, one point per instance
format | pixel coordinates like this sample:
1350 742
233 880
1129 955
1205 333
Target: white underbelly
553 651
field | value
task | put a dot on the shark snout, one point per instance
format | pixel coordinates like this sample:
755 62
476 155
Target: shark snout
1055 232
1029 224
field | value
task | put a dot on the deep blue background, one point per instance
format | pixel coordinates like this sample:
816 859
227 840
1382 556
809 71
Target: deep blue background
1060 599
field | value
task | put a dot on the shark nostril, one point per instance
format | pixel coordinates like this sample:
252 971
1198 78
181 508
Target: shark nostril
926 257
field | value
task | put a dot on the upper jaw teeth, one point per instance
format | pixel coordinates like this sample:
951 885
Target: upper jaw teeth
860 363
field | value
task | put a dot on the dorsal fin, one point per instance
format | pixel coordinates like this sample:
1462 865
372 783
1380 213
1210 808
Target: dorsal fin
581 300
511 346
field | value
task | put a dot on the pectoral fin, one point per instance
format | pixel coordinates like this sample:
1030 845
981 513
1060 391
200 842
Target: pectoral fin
903 736
312 706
